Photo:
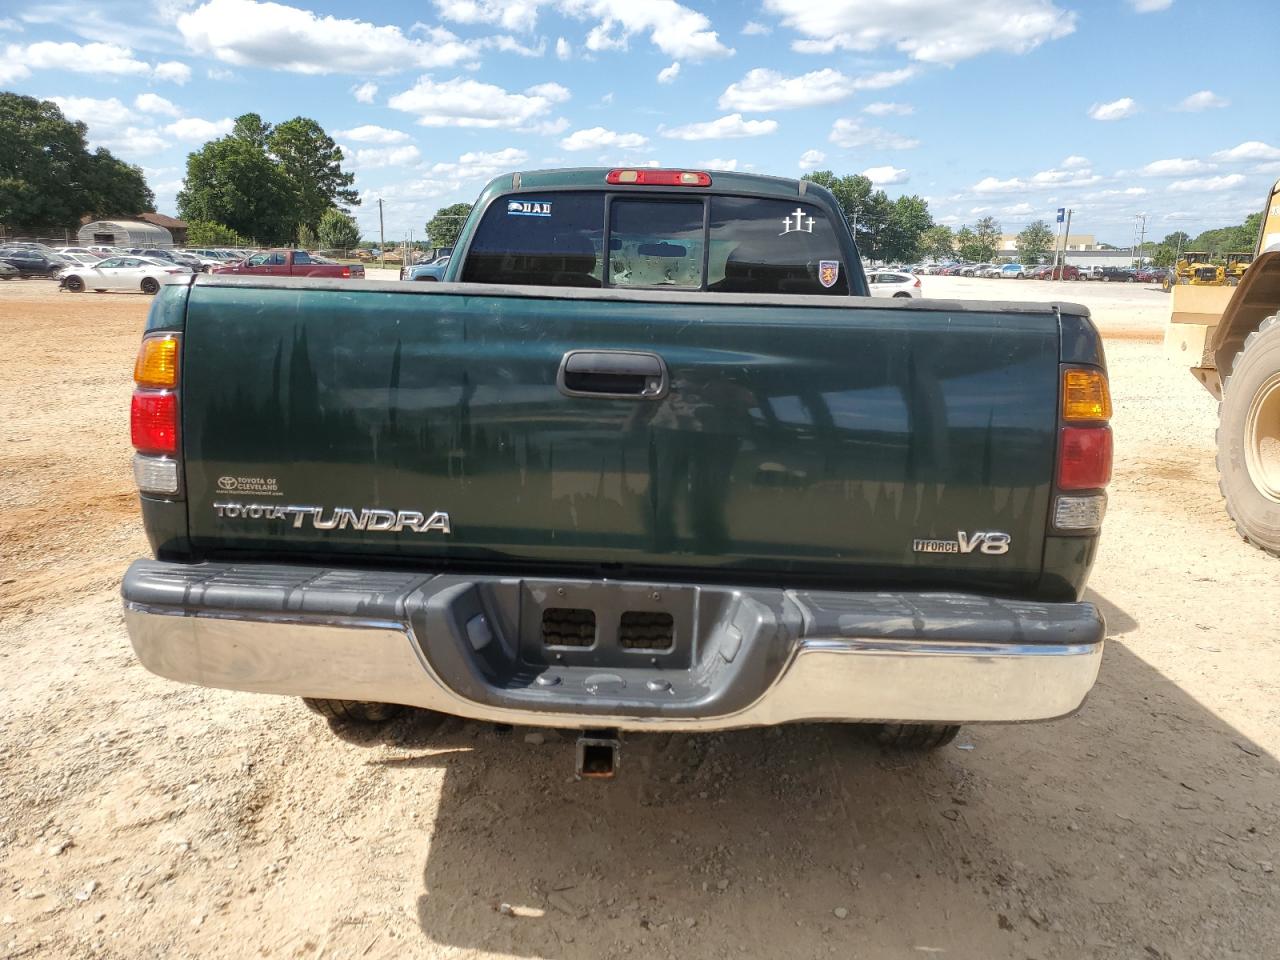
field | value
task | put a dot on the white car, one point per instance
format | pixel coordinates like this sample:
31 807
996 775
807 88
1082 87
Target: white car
893 283
77 259
65 253
120 273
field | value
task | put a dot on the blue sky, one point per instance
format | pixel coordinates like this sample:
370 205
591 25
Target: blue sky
1003 107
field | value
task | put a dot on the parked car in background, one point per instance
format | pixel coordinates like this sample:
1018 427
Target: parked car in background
8 271
1013 271
31 262
1063 271
80 259
974 269
139 274
425 271
85 251
1115 275
989 273
292 263
1150 275
893 284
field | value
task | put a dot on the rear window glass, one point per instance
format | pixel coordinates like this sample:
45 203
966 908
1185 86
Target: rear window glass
544 241
655 243
773 246
300 256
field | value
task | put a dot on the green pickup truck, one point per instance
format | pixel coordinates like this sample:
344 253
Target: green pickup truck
649 458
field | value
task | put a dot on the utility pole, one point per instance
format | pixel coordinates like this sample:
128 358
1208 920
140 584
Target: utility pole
1142 235
382 237
1066 236
1058 243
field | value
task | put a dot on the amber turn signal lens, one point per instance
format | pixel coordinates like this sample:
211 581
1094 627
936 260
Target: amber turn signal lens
1085 395
157 363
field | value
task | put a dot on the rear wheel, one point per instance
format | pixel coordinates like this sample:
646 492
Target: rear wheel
1249 438
150 285
913 736
354 711
901 294
75 284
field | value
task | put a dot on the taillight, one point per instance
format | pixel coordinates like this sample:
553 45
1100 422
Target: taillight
1084 450
346 272
917 283
153 414
153 421
1084 458
659 178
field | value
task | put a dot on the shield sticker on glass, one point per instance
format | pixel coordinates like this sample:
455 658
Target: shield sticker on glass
828 272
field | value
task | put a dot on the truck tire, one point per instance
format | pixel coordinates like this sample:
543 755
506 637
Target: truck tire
913 736
354 711
1248 438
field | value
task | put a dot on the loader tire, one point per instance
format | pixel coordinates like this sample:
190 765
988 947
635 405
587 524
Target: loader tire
1248 438
354 711
913 736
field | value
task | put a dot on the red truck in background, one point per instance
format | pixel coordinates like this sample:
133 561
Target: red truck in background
292 263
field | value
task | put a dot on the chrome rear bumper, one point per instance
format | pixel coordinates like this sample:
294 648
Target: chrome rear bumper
832 657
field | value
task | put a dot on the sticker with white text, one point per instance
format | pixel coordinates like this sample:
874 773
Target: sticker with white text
528 208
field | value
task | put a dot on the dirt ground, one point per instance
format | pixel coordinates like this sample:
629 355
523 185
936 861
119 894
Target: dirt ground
140 818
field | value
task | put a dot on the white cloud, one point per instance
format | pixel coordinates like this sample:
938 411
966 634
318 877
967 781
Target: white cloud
365 92
8 23
374 157
102 113
753 29
172 71
884 79
463 102
723 128
1045 179
563 50
886 175
676 30
509 44
193 128
279 37
152 103
1017 210
222 74
927 30
1176 167
848 132
137 141
718 164
1150 6
99 59
1074 162
882 109
1202 100
1207 184
372 133
763 90
1115 110
511 14
669 74
810 159
1249 150
481 165
598 138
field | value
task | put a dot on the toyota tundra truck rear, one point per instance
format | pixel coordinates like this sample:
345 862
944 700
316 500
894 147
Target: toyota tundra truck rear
649 458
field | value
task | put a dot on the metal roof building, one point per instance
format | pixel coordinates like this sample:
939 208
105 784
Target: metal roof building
124 233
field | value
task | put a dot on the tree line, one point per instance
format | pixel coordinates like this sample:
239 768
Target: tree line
49 179
273 183
1217 242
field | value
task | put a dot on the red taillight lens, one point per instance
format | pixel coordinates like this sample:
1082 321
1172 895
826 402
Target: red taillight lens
1084 458
659 178
346 272
153 421
917 283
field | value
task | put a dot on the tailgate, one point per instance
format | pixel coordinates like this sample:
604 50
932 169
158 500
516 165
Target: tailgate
806 440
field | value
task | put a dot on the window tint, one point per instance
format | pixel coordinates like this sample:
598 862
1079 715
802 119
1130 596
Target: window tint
275 260
655 243
301 256
544 239
258 260
109 262
773 246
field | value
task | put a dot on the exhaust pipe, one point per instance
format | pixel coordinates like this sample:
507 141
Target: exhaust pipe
596 757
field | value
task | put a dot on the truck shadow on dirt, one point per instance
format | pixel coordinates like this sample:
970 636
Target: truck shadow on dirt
1142 827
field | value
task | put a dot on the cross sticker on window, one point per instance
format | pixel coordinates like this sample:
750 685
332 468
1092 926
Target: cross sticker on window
803 224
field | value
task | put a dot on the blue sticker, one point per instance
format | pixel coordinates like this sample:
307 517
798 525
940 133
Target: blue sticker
528 208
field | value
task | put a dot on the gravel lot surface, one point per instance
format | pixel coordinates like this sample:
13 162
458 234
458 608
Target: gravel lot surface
140 818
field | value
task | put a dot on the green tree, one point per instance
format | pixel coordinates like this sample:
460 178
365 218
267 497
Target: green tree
307 238
312 163
233 182
986 233
1034 241
48 177
251 127
206 233
938 243
338 231
444 227
967 245
902 238
1163 255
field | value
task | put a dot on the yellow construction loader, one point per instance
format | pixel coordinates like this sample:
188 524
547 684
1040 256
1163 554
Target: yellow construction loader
1237 264
1194 267
1230 339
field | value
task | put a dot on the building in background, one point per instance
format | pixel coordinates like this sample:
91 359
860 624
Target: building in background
125 233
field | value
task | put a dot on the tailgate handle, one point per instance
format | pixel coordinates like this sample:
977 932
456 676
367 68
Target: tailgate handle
613 373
